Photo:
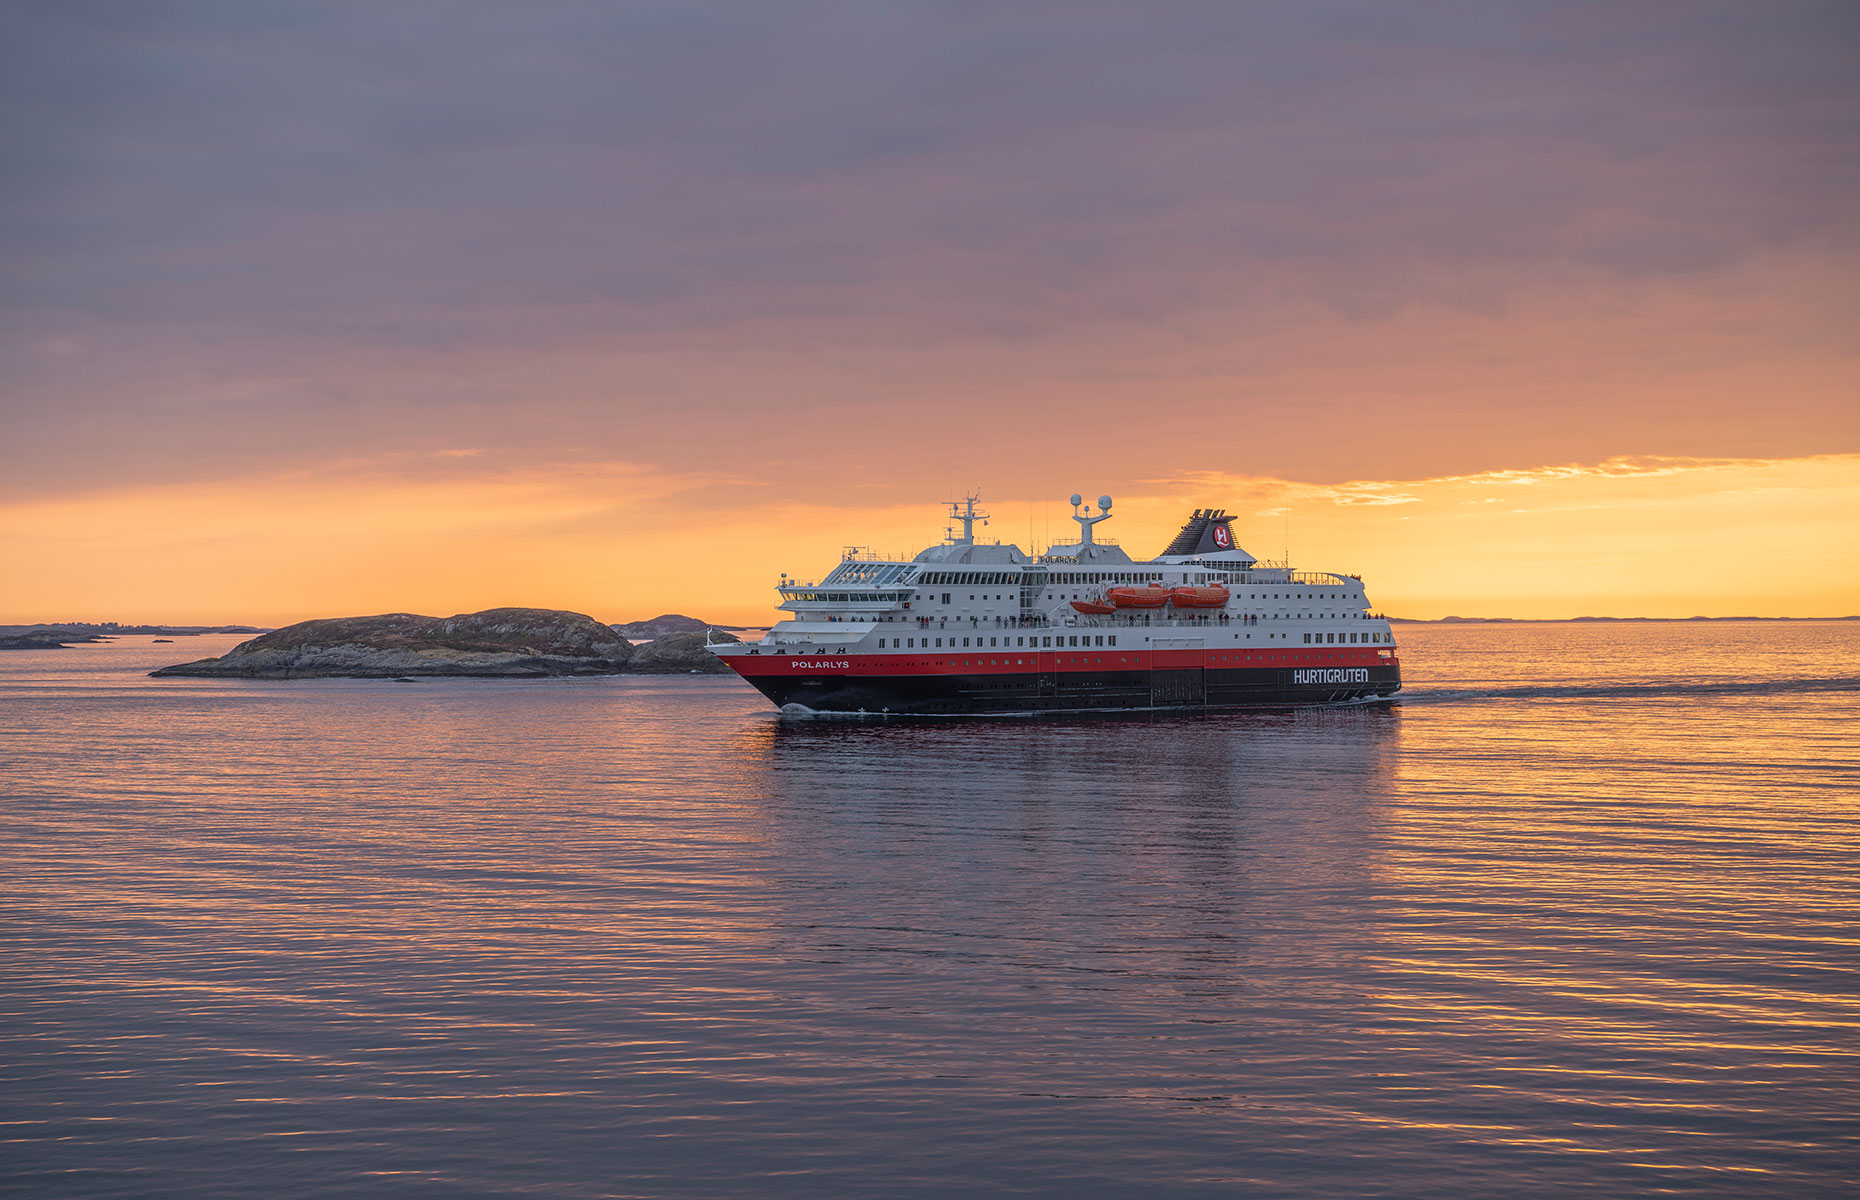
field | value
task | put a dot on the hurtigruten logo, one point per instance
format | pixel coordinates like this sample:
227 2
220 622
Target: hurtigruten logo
1332 675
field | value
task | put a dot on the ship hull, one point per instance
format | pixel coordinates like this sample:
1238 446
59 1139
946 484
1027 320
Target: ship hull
1049 683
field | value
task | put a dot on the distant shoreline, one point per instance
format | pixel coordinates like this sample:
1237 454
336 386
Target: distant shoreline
1590 620
79 629
63 637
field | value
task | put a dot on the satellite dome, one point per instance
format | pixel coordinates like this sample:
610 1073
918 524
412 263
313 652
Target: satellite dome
1077 499
1104 502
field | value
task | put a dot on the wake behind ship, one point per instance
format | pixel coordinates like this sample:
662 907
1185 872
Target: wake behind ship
984 628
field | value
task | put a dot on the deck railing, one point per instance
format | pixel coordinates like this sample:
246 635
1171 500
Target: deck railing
867 554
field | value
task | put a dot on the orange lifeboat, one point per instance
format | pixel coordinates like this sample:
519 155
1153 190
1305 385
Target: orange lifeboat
1153 596
1092 608
1199 597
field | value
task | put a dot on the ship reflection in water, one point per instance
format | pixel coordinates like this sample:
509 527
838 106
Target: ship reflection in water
1572 915
1128 865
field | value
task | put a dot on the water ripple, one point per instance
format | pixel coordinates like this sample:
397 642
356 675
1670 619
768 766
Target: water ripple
1573 916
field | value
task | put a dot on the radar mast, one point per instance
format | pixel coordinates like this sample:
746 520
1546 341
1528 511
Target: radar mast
1085 523
964 511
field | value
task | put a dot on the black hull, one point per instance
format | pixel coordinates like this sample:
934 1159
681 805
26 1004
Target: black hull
1080 691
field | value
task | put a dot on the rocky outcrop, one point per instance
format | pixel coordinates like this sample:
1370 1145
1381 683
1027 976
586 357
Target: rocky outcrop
679 654
666 624
500 642
663 625
44 638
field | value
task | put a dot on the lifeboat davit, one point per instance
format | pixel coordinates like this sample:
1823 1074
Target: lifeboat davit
1153 596
1093 608
1199 597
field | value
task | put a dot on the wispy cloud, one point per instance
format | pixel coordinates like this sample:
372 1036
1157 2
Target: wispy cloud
1282 494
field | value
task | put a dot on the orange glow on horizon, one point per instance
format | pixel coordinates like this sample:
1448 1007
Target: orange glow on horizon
1626 537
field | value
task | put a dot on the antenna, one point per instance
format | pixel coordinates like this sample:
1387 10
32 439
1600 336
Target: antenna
1086 523
965 512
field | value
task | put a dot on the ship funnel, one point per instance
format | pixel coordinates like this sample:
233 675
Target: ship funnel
1208 533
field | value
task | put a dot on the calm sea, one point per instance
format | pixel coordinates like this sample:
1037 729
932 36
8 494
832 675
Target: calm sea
1577 914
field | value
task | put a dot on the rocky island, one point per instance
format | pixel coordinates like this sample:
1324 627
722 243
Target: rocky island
43 638
496 643
499 643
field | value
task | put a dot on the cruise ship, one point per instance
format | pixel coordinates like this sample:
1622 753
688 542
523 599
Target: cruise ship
977 627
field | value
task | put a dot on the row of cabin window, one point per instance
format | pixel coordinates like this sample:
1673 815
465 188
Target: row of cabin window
1065 641
1076 578
1028 641
1065 578
844 598
973 578
1008 580
1016 579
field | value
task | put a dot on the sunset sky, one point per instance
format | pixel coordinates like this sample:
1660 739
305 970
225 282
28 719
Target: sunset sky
1517 309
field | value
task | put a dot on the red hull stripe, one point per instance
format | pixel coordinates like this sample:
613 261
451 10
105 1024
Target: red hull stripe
1010 662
